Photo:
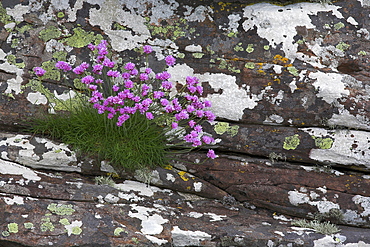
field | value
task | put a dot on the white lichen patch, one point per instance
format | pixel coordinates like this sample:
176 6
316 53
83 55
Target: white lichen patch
215 217
231 103
329 86
278 24
330 241
344 118
156 240
111 198
349 147
132 197
188 238
198 186
322 203
37 98
18 200
193 48
56 157
7 167
74 228
200 13
195 215
17 12
273 119
170 177
142 188
13 84
364 202
151 223
111 12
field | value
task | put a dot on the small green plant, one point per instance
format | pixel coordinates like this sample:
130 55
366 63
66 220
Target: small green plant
130 118
326 228
334 215
275 157
101 180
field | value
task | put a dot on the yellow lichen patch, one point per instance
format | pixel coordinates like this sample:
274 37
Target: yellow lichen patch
182 176
291 142
168 167
279 59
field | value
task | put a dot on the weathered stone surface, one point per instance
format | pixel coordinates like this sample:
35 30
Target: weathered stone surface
289 84
43 209
309 145
300 191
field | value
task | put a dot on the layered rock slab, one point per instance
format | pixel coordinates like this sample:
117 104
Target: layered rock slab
133 213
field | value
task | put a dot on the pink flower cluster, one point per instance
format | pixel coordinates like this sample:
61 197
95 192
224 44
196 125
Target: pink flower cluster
132 93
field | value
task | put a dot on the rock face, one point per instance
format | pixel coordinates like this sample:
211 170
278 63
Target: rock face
290 86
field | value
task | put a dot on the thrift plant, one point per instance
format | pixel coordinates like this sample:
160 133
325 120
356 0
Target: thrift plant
130 116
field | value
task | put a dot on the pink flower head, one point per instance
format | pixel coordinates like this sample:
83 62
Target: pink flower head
63 65
99 81
149 115
97 69
144 77
199 113
129 66
126 75
196 142
147 49
174 125
163 76
129 84
93 87
169 108
190 108
192 123
210 116
192 89
211 154
113 73
198 128
146 102
167 85
123 118
194 134
81 68
200 90
91 47
170 60
207 139
88 79
134 72
100 59
145 87
181 115
188 138
207 103
158 94
39 71
108 63
164 102
191 80
115 88
148 70
103 51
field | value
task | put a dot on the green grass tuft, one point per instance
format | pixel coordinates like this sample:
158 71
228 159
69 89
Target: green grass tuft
326 228
137 144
